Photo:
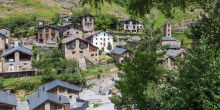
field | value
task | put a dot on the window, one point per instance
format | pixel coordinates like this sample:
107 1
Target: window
96 38
25 63
77 32
100 43
168 34
71 45
47 35
73 52
95 54
70 97
68 27
83 45
104 39
104 34
126 27
133 27
92 54
108 38
172 62
96 43
68 32
40 35
80 51
90 19
100 38
104 44
168 30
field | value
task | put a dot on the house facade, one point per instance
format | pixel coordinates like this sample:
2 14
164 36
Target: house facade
17 59
2 43
131 25
83 52
102 40
47 34
87 23
7 101
70 29
119 53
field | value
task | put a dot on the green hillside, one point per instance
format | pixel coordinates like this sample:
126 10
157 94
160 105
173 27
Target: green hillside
45 9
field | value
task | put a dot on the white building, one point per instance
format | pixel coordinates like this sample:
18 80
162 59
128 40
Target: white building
101 39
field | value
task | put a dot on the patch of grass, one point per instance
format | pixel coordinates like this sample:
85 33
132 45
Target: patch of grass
182 38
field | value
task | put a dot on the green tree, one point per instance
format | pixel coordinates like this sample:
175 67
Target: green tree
196 84
1 83
56 18
109 46
103 22
48 75
76 14
142 7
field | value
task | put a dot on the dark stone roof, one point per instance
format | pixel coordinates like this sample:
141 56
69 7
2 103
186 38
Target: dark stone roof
53 27
55 83
174 47
40 97
173 53
7 99
169 39
167 22
7 28
18 48
65 24
68 39
119 51
3 32
124 20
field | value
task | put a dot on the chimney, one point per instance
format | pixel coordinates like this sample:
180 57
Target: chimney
59 98
38 94
8 91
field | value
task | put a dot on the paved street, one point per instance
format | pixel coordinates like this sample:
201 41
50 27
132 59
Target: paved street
93 95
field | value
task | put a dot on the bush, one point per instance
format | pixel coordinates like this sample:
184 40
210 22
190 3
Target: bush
110 60
96 105
100 52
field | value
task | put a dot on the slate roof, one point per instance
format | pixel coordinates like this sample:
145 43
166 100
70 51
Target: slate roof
18 48
7 99
169 39
66 24
173 53
124 20
174 47
93 34
7 28
69 39
56 83
3 32
119 51
39 97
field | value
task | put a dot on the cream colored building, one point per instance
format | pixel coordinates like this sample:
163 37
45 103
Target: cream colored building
70 29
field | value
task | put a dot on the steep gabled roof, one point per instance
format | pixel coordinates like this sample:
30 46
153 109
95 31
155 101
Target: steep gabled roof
95 33
7 99
119 51
169 39
173 53
7 28
124 20
174 47
18 48
66 24
55 83
40 97
49 27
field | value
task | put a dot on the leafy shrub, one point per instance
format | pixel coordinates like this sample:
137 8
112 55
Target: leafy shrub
110 60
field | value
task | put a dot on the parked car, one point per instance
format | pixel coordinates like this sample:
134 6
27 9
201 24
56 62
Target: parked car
51 43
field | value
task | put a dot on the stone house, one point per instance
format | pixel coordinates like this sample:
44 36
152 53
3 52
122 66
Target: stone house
131 25
7 101
2 41
87 23
17 59
170 58
133 42
70 29
56 95
101 39
8 31
86 54
47 33
119 53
